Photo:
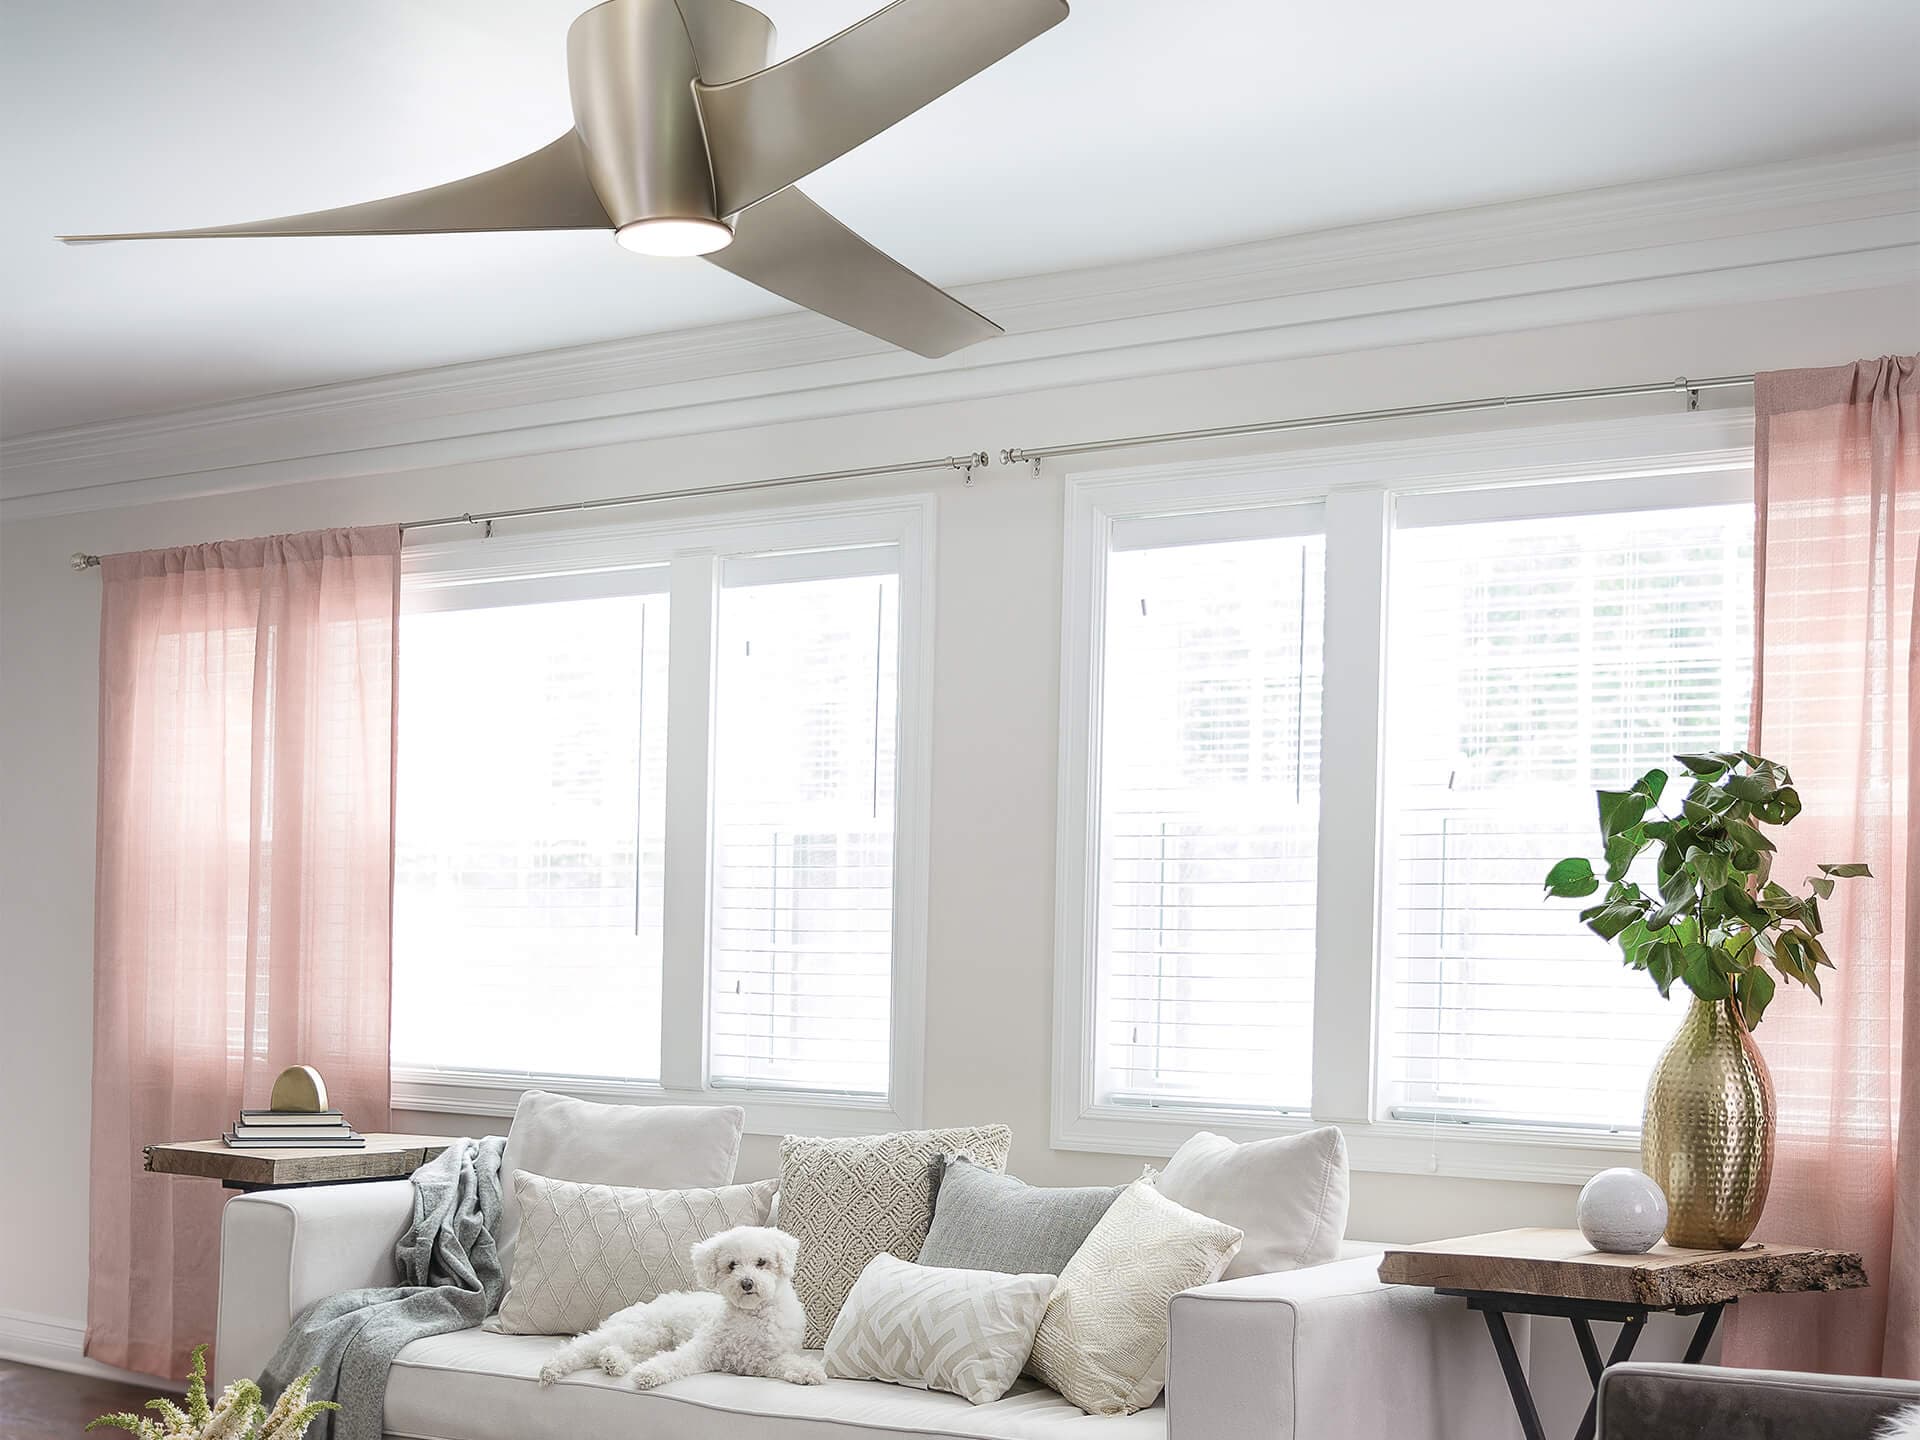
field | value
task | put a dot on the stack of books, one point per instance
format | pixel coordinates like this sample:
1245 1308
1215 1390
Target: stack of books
294 1129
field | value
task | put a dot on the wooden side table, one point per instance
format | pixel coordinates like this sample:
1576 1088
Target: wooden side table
1555 1272
385 1157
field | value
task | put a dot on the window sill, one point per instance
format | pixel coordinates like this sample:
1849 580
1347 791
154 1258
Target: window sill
769 1112
1478 1151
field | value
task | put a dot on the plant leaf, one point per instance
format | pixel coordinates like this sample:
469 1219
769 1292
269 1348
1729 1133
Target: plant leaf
1651 785
1701 975
1850 871
1753 990
1663 963
1572 878
1711 766
1753 789
1708 867
1620 810
1609 919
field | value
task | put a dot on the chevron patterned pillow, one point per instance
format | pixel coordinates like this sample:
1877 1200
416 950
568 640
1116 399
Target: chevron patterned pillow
965 1331
1103 1341
586 1251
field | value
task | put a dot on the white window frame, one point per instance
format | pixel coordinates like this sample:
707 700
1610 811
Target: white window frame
686 558
1642 462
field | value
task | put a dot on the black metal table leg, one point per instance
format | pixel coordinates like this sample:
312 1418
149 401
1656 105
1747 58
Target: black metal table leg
1622 1350
1589 1352
1516 1375
1702 1335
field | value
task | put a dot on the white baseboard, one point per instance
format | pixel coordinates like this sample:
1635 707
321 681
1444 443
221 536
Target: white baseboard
56 1344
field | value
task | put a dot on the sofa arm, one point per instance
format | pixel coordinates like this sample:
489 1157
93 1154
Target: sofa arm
280 1250
1331 1352
1643 1401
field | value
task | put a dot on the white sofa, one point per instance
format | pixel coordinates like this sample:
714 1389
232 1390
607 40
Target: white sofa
1323 1354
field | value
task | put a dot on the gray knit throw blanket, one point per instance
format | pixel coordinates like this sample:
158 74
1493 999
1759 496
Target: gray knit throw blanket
449 1280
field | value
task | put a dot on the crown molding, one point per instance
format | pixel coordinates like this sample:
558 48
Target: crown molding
1806 227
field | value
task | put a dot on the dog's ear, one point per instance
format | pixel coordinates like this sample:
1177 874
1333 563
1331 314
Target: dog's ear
786 1253
706 1263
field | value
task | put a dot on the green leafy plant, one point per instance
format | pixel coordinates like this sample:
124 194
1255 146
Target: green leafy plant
237 1415
1718 923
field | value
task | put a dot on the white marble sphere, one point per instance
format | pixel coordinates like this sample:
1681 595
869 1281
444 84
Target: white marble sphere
1622 1212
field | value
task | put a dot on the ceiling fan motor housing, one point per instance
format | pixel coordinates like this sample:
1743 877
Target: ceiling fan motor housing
637 60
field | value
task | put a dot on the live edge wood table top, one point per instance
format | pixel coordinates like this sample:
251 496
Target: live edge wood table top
1556 1273
1561 1264
385 1157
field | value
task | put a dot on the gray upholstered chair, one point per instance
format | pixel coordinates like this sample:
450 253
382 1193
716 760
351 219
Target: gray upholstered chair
1705 1402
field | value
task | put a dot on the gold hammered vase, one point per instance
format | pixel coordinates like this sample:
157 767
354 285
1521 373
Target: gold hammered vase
1707 1139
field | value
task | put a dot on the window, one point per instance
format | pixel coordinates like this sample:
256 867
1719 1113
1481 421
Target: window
661 809
1533 661
530 834
1327 717
803 833
1209 808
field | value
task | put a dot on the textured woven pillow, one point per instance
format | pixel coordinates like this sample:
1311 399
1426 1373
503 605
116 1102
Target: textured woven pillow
1288 1194
965 1331
987 1221
849 1200
586 1251
1103 1343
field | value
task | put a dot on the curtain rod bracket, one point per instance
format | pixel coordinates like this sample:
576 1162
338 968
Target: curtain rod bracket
83 561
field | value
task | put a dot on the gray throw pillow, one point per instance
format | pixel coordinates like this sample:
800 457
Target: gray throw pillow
987 1221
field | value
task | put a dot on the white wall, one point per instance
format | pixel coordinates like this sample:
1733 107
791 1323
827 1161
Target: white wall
996 704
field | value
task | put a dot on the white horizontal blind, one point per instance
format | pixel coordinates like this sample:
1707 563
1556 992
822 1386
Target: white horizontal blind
803 863
530 847
1209 798
1531 662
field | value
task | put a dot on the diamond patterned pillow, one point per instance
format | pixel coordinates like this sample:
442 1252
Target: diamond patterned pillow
1103 1342
966 1331
586 1251
849 1200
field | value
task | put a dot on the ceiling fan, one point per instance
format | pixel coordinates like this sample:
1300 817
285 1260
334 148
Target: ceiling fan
685 141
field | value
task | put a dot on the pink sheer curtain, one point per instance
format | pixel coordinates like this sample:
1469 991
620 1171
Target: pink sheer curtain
243 890
1837 477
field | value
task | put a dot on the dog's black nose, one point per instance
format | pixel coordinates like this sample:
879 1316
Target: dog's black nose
746 1284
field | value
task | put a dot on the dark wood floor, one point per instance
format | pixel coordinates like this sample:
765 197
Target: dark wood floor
37 1404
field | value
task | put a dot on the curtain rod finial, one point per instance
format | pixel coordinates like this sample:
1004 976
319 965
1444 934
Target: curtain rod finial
83 561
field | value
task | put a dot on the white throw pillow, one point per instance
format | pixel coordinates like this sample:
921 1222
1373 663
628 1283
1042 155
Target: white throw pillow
654 1147
1288 1195
585 1251
964 1331
1103 1343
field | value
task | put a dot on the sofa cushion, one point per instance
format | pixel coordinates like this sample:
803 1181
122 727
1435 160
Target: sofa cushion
1287 1195
475 1385
965 1331
586 1251
1103 1343
658 1147
848 1200
983 1220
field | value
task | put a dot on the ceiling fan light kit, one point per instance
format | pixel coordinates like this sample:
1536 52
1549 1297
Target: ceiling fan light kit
670 236
686 142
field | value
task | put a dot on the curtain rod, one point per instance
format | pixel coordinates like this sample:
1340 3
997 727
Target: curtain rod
969 463
1033 455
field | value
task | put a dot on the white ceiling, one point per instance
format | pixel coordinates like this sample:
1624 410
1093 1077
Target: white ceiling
1137 127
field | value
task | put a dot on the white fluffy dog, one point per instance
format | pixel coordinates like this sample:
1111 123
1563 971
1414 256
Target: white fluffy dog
744 1320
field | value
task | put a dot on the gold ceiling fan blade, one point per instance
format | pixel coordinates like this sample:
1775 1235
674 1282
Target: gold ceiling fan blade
547 190
778 125
789 245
